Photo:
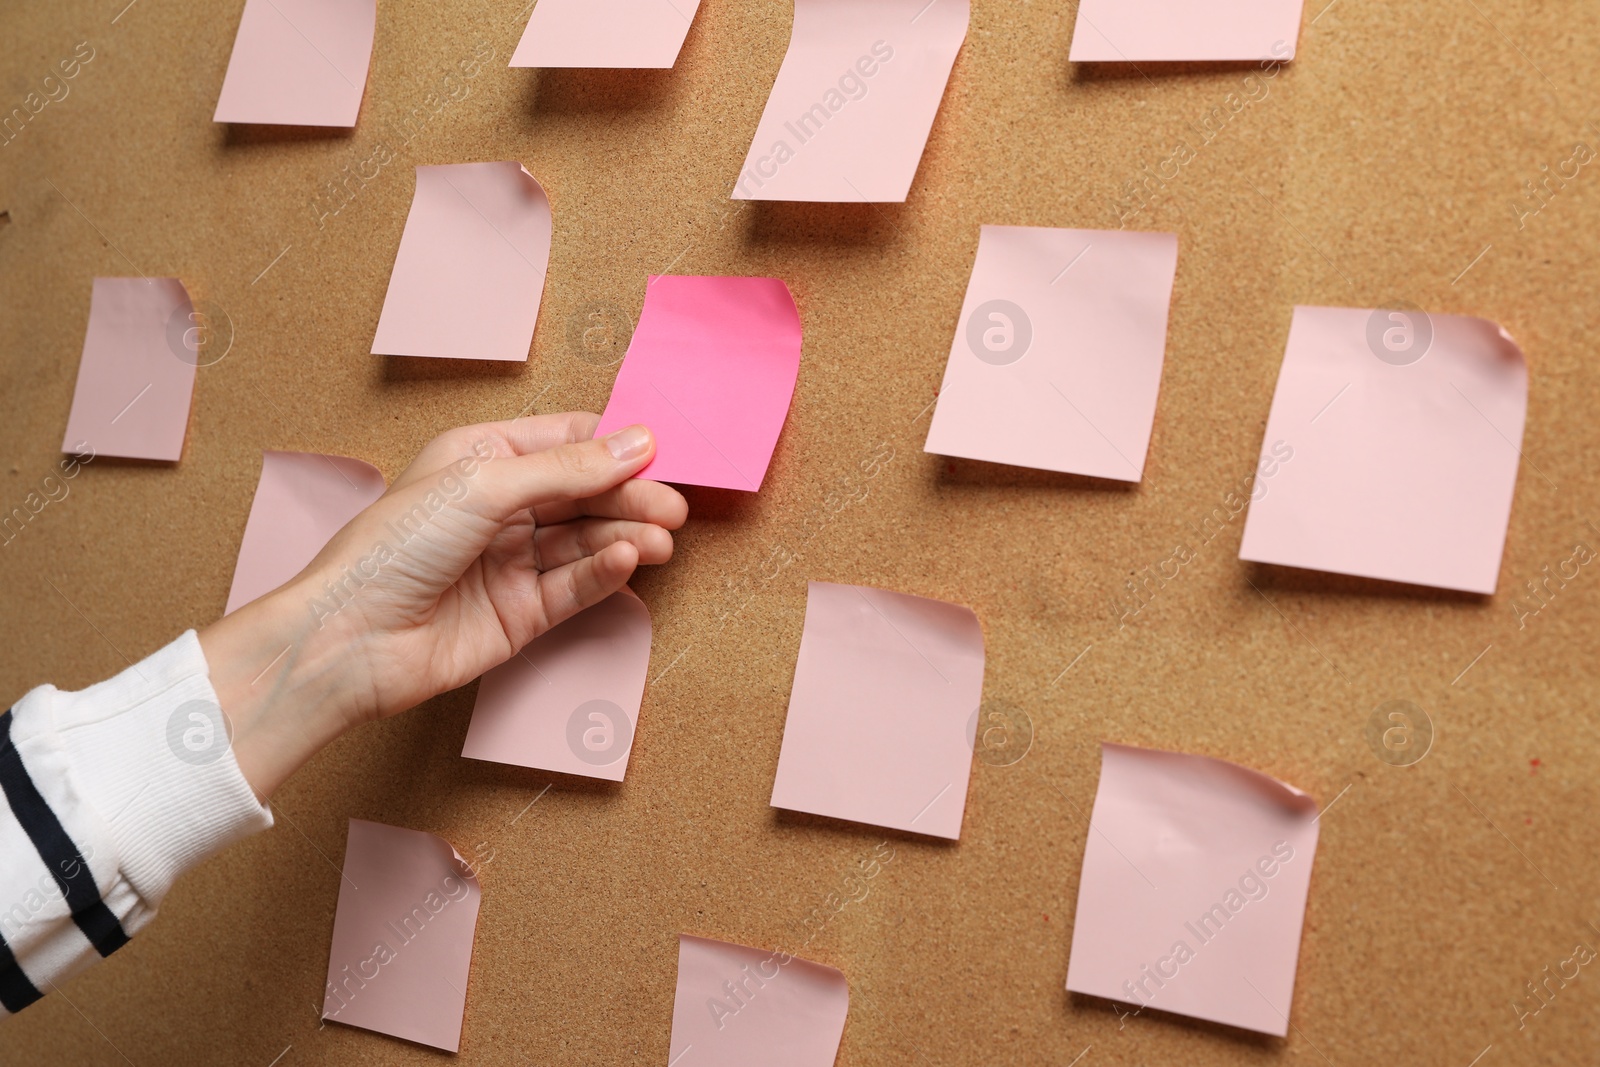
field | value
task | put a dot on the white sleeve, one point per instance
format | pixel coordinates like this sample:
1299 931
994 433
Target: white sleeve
109 795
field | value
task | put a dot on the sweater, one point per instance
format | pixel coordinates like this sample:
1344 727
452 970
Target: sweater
109 795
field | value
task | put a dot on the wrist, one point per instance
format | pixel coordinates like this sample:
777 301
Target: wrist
287 682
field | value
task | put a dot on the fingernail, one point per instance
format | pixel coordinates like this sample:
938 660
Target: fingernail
629 443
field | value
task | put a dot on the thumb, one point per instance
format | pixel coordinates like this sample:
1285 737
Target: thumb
567 472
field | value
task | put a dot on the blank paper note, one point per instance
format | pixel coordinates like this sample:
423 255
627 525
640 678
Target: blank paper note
569 701
711 370
854 100
886 690
737 1006
299 63
1193 889
136 377
301 501
1394 438
471 267
605 33
1057 356
1119 31
402 936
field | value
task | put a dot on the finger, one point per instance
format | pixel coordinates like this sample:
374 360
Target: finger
567 472
637 500
568 542
489 440
567 590
539 432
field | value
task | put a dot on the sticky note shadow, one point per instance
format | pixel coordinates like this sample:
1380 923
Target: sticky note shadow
784 819
787 223
955 473
729 507
1270 576
1130 1017
131 462
239 134
578 91
1080 73
400 369
492 779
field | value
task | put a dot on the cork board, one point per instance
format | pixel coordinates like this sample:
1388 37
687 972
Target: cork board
1384 163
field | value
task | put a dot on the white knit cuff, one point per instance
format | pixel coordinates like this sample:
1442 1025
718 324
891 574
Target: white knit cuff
149 750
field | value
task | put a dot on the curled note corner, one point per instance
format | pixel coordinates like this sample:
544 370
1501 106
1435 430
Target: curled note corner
402 935
736 1005
1264 785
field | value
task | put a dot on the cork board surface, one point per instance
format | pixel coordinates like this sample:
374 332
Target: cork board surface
1383 163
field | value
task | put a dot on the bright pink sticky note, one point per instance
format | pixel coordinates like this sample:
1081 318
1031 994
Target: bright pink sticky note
737 1006
402 936
885 697
711 370
302 500
605 33
471 267
569 701
1118 31
1193 889
299 63
854 100
136 378
1057 356
1392 447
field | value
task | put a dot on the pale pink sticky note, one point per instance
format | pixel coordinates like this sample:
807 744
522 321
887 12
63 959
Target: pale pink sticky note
299 63
605 33
569 701
1392 447
136 377
471 266
737 1006
854 100
711 370
885 697
1119 31
1057 357
402 936
1193 889
302 500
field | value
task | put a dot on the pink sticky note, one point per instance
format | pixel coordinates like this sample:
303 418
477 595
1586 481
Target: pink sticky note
569 701
605 33
402 936
136 377
299 63
1057 357
471 266
1118 31
854 100
302 500
881 715
1392 447
736 1006
711 370
1193 889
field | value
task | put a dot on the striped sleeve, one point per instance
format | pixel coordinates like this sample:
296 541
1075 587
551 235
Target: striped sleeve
109 795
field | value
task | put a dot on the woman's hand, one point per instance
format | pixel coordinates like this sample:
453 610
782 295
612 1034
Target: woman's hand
493 535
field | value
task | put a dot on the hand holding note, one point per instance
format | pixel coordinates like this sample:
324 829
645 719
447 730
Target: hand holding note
494 535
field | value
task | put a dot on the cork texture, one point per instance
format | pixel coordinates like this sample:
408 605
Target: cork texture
1383 163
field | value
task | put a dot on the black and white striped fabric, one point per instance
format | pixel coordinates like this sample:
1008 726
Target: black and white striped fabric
63 877
106 801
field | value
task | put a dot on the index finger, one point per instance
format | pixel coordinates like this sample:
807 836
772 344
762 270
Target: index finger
635 500
509 437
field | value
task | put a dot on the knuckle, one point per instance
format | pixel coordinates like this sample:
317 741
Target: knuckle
586 540
577 461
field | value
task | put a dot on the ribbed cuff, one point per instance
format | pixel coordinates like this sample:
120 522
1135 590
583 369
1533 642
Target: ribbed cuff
149 751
